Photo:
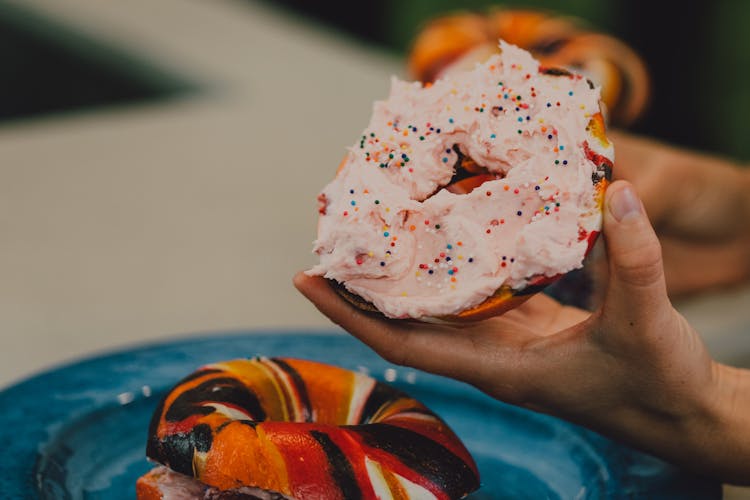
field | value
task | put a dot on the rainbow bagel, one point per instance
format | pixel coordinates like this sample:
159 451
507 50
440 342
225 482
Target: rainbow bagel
462 39
301 429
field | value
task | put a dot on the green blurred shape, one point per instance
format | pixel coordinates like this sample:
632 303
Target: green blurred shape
726 78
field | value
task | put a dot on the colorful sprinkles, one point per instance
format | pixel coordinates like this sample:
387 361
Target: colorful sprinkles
407 147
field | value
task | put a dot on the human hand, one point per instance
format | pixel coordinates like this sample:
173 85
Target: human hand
634 370
700 207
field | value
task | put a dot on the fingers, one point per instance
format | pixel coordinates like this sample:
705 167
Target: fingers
399 342
643 162
320 293
472 353
711 195
636 292
693 266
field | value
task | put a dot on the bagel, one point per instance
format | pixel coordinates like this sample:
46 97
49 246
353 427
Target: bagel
458 41
464 197
288 428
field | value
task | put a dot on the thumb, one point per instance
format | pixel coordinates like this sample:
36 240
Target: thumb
636 289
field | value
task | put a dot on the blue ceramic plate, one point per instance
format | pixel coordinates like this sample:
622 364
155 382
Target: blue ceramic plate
79 432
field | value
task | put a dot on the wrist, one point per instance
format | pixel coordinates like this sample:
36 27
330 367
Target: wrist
707 431
725 425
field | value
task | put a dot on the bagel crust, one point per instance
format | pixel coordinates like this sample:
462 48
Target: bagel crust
301 429
462 194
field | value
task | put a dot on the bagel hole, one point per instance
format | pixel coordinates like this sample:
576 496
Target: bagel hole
468 174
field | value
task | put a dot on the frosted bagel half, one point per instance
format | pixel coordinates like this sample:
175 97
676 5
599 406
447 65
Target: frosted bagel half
464 196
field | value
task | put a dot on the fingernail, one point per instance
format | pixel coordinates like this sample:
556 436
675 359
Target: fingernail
624 203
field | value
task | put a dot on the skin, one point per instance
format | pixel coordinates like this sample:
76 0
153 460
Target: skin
633 370
700 207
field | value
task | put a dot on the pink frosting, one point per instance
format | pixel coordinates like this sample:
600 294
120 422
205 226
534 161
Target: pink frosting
393 236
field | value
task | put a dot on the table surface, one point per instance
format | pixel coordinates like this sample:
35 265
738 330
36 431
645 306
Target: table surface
131 224
192 214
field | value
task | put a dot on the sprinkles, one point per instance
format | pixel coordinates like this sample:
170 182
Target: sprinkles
406 154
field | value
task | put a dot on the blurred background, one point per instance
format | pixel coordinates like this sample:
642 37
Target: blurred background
159 161
699 59
696 52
